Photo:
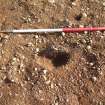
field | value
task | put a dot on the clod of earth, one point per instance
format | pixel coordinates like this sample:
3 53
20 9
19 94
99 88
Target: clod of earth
58 58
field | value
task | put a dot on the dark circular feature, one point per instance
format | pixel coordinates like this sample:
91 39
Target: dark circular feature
61 58
78 17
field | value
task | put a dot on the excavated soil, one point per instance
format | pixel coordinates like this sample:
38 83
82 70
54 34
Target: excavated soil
57 68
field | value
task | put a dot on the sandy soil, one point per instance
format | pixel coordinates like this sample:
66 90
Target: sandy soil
52 69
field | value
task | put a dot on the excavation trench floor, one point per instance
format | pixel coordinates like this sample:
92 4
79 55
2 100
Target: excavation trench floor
57 68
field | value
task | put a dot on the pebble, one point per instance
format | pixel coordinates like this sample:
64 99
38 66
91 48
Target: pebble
91 41
14 59
29 19
85 32
52 1
10 93
100 103
99 32
84 41
23 57
3 67
102 36
36 36
97 16
45 71
56 103
52 85
6 37
22 70
13 80
48 82
30 44
101 92
91 64
89 47
40 91
84 14
103 3
36 69
63 34
81 26
67 100
94 78
37 50
73 3
45 78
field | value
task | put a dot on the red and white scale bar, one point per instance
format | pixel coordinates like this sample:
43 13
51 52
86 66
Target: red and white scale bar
69 30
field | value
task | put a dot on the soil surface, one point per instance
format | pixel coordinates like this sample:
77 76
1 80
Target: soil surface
57 68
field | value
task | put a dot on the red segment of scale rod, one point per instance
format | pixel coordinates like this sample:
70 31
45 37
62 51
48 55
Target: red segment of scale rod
83 29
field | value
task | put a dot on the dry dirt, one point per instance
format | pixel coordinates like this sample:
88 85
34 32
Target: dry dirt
52 69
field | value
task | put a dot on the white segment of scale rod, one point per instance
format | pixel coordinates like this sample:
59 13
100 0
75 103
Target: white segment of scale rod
36 30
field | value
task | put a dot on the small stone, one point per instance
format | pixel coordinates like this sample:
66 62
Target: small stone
29 19
48 82
83 41
21 65
14 59
41 99
91 64
52 85
103 3
89 47
45 78
3 68
36 69
6 37
94 78
73 3
40 91
84 14
85 32
56 103
13 80
100 103
10 93
22 70
23 57
36 36
16 94
30 44
63 34
91 41
101 92
51 1
37 50
81 26
97 16
98 32
45 71
102 36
